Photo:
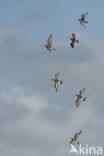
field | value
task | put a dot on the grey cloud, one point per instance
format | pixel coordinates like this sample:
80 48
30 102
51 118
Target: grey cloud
33 132
43 119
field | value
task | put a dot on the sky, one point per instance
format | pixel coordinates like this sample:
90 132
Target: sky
34 119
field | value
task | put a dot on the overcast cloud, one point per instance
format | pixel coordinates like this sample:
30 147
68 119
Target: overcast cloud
34 119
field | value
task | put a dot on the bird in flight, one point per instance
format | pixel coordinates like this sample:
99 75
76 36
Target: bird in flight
75 138
57 81
82 19
80 97
49 43
73 40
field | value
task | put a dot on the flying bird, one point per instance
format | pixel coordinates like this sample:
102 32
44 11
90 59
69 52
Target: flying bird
80 97
82 19
75 138
73 40
56 81
49 43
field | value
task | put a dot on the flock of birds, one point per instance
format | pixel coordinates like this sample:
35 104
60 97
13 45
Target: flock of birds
57 81
73 39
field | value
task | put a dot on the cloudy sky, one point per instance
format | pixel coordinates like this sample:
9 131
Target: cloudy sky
34 119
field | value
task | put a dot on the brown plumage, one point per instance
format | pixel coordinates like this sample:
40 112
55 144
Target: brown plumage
82 19
80 97
49 43
73 40
75 138
57 81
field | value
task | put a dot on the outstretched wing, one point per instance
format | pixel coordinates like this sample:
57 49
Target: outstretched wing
74 36
56 86
82 91
78 102
78 134
57 75
71 142
49 41
84 15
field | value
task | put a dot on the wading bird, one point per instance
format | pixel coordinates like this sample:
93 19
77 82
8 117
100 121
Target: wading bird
80 97
73 40
82 19
57 81
75 138
49 43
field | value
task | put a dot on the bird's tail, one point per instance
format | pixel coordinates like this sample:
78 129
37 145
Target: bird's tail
86 22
